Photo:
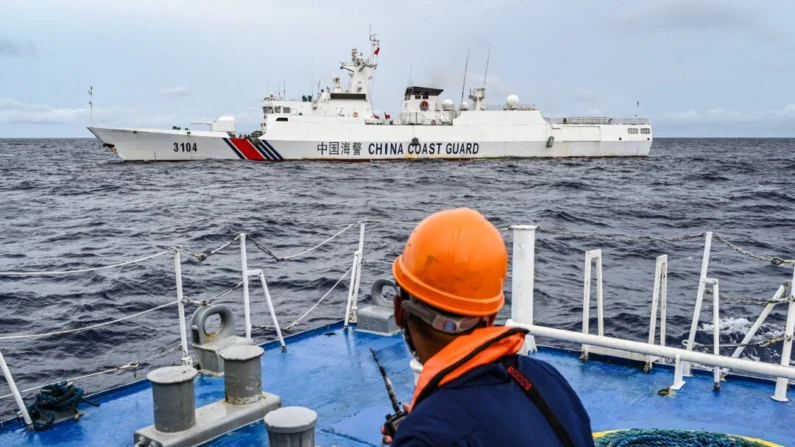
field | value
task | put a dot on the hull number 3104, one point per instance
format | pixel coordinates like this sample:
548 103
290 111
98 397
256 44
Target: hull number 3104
185 147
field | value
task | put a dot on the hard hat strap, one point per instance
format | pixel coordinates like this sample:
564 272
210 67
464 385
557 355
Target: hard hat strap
442 322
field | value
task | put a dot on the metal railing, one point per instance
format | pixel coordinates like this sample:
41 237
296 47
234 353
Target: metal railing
522 316
598 120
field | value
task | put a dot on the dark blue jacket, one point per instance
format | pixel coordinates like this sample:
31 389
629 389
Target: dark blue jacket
486 407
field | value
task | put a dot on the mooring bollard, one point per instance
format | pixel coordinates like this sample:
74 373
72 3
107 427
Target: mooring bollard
291 427
243 374
172 392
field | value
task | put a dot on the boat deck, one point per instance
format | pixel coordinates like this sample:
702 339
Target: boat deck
333 373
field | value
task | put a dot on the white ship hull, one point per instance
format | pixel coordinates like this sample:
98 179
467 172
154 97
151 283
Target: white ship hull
350 139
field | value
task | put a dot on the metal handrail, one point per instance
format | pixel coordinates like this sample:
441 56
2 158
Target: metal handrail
598 120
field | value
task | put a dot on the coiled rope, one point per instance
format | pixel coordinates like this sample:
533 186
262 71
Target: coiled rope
55 397
653 437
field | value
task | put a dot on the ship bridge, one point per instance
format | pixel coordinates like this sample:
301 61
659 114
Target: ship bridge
423 106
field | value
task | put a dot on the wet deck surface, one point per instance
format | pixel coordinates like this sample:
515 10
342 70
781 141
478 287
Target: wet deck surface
333 373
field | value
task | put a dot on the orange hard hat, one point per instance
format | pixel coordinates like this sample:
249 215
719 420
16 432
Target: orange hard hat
455 261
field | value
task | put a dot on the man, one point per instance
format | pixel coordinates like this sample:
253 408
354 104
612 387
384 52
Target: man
474 390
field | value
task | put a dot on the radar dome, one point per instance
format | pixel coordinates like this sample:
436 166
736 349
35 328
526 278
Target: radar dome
512 101
447 104
464 106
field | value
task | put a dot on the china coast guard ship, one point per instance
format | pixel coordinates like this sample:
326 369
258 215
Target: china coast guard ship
340 124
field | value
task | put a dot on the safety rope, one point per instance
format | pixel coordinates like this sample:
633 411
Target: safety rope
775 260
56 397
394 222
291 325
92 269
270 253
217 297
661 437
201 257
85 328
630 240
127 366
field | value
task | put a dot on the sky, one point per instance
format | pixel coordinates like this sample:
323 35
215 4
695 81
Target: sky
707 68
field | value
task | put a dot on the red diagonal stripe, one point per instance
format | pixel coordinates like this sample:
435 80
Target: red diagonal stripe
247 149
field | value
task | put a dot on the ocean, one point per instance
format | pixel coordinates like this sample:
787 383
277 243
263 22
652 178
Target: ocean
71 204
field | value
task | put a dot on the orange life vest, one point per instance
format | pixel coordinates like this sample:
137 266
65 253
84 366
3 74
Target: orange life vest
465 353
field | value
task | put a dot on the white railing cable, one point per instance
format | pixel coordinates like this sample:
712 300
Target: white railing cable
86 328
127 366
92 269
291 325
201 257
270 252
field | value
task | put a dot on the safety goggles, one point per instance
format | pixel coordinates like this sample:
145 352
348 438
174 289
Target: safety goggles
442 322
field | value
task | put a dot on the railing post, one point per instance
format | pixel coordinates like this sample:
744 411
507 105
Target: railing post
272 311
786 351
586 298
699 298
17 397
246 299
659 296
523 279
716 329
355 306
183 333
350 290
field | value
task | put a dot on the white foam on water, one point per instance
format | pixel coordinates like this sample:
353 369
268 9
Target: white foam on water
738 326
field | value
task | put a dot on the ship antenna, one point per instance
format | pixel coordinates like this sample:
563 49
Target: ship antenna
91 103
485 76
463 86
410 68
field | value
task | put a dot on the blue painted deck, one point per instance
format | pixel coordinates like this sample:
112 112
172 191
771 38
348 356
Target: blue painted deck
336 376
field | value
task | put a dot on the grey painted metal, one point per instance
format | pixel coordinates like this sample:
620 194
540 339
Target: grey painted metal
212 421
243 374
291 427
207 346
172 392
379 317
200 336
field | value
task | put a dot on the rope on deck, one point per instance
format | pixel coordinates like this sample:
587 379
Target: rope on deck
654 437
56 397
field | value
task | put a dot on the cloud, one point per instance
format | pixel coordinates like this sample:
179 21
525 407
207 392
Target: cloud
19 47
778 117
175 92
697 16
582 95
16 112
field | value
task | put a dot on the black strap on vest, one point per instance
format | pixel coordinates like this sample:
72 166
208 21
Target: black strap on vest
510 363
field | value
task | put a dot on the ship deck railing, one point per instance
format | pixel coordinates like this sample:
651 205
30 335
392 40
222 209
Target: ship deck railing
599 120
522 274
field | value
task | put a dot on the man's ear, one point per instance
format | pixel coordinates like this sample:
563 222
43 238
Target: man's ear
400 315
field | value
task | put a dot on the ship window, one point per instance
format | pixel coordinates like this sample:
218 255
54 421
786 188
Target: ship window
285 109
281 119
267 109
277 109
425 96
632 130
417 96
645 130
